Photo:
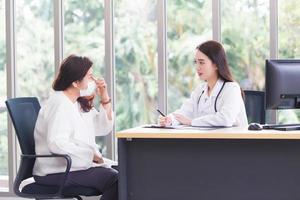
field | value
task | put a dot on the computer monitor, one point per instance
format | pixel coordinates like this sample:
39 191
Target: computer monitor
282 84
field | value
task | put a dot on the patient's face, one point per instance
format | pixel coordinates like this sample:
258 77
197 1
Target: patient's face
206 69
83 84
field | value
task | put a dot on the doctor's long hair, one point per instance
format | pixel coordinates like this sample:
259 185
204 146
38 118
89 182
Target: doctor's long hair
74 68
216 53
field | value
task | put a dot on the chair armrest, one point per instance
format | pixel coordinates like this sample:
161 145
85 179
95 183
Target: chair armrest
61 186
116 167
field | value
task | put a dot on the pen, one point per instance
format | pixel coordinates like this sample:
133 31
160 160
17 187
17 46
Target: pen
161 112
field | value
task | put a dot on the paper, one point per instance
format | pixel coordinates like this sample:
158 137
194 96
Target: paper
184 127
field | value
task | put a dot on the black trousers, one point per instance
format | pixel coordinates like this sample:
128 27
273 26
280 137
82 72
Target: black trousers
101 178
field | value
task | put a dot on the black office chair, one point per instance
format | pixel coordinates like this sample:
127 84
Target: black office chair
255 106
24 112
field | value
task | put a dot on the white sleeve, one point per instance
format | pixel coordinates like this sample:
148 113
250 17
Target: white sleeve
59 141
187 108
228 112
97 152
103 125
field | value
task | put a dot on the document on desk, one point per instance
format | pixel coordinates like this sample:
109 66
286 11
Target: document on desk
184 127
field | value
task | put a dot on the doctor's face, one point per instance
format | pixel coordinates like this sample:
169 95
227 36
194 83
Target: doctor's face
206 69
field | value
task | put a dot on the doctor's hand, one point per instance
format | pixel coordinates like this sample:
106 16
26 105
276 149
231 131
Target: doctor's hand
183 119
164 121
97 159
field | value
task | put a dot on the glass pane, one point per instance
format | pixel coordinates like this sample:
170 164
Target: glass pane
3 97
84 36
288 29
35 51
84 31
289 45
189 24
245 35
136 62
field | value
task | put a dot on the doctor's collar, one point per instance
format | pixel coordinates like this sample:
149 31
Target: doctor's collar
215 89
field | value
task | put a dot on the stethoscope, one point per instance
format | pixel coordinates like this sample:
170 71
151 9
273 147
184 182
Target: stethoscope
215 106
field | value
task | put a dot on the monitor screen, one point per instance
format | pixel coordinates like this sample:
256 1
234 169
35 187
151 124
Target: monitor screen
282 84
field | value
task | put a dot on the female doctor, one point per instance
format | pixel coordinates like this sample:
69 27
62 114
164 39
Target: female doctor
216 102
67 124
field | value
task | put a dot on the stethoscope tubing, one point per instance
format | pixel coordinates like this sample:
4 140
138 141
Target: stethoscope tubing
215 105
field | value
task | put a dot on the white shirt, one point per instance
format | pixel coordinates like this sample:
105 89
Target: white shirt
230 106
62 128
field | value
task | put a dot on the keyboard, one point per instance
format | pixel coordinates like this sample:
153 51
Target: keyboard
282 127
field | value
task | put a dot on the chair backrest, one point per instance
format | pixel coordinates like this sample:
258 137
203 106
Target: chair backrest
255 106
23 113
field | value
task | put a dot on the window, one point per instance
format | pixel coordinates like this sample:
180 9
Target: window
84 36
245 35
189 24
288 29
136 62
35 51
84 31
3 97
289 45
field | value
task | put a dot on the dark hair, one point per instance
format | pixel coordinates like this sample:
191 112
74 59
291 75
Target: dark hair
74 68
216 53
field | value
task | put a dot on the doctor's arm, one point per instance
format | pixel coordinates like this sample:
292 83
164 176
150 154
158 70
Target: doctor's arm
172 119
186 111
228 111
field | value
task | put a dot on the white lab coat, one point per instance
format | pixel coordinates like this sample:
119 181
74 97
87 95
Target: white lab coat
62 128
230 106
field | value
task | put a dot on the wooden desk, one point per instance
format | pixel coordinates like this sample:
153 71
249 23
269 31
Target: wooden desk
232 163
